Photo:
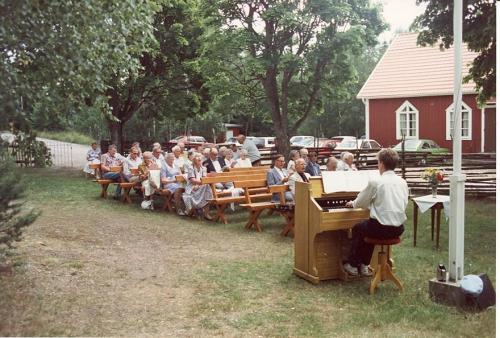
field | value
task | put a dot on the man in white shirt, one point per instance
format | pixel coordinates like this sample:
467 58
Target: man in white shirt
158 156
387 198
132 161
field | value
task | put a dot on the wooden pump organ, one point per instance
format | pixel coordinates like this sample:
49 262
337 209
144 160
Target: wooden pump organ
323 223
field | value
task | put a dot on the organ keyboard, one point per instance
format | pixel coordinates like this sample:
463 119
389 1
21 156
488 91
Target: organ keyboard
322 231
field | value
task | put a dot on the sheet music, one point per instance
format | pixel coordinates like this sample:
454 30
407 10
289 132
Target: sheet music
154 176
347 181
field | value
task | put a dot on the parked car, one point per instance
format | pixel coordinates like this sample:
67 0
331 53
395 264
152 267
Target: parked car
421 145
7 137
298 141
265 142
192 141
351 144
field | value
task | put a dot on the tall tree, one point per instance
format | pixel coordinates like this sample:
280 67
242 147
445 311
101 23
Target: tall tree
166 85
292 52
479 32
62 53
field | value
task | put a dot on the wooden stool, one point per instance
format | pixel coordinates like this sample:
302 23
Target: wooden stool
384 268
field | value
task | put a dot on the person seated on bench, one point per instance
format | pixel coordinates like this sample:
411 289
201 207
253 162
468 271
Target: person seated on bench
188 163
387 198
294 156
132 161
158 156
214 164
93 156
178 158
346 162
277 176
303 154
312 167
253 152
243 161
229 159
197 194
299 175
149 186
108 160
169 182
331 164
138 146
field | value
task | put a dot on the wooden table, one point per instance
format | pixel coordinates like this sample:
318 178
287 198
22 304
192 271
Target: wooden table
436 204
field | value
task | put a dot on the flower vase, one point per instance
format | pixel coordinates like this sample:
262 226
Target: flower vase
434 188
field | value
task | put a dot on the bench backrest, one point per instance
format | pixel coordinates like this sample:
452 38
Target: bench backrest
264 167
249 184
232 178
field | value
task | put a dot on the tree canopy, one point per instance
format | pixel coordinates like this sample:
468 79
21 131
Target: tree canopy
288 54
479 32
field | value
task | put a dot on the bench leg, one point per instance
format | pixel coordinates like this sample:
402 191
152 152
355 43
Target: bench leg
167 205
126 195
220 213
289 224
104 190
254 220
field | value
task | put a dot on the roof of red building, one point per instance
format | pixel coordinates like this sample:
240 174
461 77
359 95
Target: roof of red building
408 70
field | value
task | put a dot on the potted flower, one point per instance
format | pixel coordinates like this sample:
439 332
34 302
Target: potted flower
434 176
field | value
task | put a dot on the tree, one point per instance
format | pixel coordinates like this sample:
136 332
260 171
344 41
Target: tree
62 53
479 32
12 216
166 85
291 52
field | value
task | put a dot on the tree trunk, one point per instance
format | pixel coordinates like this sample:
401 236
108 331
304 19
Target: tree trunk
116 132
282 142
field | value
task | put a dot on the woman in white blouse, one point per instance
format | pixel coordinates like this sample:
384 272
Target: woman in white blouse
243 161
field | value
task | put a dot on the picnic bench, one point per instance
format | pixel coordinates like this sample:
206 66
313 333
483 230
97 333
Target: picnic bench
221 198
285 209
255 207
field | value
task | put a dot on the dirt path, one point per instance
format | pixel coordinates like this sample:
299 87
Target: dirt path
101 273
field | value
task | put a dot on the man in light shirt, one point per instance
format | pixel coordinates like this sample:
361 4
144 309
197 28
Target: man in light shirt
132 161
387 198
299 175
251 148
279 175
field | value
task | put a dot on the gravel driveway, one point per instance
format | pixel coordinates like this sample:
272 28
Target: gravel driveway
65 154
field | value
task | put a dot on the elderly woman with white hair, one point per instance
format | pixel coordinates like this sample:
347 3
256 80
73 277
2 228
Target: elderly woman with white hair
178 157
168 179
347 162
197 194
243 161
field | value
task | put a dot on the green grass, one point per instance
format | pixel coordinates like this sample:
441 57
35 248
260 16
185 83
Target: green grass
67 136
261 297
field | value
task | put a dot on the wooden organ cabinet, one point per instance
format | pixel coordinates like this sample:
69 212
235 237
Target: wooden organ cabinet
322 230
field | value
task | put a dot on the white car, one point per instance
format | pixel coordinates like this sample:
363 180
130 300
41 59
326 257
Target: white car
7 137
299 141
352 144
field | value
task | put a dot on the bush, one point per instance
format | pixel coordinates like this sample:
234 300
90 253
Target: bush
27 150
13 216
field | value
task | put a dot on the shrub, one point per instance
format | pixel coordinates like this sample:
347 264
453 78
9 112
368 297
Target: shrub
13 216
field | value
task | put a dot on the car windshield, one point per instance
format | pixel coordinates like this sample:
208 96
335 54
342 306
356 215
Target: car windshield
409 145
179 138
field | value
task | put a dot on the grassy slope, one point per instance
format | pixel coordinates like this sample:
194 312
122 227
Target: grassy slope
255 293
66 136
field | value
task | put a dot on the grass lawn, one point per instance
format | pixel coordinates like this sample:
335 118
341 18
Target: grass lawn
67 136
94 267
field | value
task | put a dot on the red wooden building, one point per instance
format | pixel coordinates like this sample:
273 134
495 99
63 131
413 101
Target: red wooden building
410 92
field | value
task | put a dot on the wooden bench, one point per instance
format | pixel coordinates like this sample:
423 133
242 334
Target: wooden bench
222 198
287 210
263 167
127 186
97 170
104 183
255 208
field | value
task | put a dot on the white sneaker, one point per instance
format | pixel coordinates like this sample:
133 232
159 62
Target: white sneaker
365 270
181 213
351 270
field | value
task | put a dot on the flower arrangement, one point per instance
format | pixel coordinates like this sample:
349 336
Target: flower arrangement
433 175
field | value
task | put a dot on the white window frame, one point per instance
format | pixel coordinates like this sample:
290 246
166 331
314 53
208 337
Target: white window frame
399 112
465 108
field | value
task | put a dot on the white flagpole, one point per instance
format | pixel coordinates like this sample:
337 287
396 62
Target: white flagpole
457 179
